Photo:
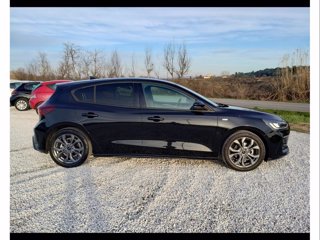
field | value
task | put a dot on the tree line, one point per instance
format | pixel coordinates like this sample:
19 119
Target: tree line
78 63
271 72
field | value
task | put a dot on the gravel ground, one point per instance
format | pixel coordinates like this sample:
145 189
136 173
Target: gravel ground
121 194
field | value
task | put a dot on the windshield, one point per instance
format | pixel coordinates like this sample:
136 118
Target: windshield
201 96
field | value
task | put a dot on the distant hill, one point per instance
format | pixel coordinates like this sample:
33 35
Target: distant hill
268 72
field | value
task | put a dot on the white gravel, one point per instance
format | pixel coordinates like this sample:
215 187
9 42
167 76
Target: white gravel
121 194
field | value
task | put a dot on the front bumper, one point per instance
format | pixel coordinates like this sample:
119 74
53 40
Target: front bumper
278 143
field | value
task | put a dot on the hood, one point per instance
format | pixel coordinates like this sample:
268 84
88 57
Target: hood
245 112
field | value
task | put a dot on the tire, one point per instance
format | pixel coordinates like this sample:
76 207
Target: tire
243 151
69 147
22 104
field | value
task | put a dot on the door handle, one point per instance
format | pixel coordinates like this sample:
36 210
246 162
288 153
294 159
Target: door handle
89 115
156 118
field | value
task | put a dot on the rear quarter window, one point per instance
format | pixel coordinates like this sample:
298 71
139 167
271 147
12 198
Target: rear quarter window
29 86
52 86
85 94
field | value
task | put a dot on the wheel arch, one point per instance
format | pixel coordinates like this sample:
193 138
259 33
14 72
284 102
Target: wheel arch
59 126
254 130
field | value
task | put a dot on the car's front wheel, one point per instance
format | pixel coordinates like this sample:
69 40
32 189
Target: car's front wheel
21 104
69 147
243 151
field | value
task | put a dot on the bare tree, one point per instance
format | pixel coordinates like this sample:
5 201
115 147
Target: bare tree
97 63
69 66
156 73
115 67
184 61
148 61
44 67
19 74
169 53
85 62
33 70
133 67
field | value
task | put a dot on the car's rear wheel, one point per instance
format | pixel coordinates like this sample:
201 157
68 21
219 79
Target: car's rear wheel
22 104
69 147
243 151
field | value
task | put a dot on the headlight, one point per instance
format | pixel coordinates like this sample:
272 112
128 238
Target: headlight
276 124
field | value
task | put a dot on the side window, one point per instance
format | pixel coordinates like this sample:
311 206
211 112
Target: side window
31 86
52 86
84 94
162 97
116 94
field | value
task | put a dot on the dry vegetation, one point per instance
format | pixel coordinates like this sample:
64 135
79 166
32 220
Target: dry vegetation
290 83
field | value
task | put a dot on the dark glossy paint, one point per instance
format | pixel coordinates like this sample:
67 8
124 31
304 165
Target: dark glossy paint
23 91
142 131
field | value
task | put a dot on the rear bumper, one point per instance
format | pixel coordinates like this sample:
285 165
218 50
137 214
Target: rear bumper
12 100
37 146
39 138
33 102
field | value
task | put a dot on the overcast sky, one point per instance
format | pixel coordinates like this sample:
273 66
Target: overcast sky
218 39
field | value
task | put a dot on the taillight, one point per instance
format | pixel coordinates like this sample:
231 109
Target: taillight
43 110
14 92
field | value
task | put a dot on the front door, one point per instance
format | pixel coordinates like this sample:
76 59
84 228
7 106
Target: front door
170 127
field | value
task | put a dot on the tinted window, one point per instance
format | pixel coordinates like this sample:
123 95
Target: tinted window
84 94
15 85
52 86
30 86
162 97
116 94
38 85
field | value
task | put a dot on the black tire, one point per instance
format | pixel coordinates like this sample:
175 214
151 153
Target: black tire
22 104
243 157
80 139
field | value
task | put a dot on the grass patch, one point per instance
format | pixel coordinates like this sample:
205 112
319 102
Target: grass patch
299 121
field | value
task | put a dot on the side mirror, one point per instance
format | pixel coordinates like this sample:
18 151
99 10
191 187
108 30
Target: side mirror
198 106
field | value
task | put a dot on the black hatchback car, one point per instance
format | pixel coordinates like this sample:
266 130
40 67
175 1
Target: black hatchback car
144 117
21 95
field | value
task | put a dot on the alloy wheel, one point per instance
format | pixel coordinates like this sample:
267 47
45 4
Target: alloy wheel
68 148
21 105
244 152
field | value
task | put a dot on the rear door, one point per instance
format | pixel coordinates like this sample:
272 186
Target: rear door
114 121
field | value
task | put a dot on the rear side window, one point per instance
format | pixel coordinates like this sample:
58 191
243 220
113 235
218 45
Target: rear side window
15 85
84 94
30 86
52 86
116 94
37 86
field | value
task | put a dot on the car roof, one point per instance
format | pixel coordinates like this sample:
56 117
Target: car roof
31 82
106 80
55 81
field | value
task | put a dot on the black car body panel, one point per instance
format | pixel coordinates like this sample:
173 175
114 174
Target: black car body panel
142 130
23 91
